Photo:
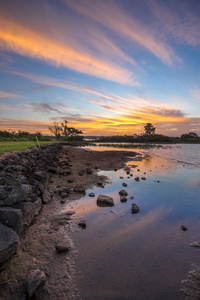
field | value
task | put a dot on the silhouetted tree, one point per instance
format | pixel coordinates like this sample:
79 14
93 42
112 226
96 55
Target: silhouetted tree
56 129
149 130
64 130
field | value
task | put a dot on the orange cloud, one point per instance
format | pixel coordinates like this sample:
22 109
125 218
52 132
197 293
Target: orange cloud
26 41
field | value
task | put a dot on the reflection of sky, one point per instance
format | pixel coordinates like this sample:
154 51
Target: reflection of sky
140 250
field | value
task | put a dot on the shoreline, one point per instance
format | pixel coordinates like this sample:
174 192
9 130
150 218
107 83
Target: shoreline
37 245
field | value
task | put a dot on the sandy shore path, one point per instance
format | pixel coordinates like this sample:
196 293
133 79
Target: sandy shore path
76 171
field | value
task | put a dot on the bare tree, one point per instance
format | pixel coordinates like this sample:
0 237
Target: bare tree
56 129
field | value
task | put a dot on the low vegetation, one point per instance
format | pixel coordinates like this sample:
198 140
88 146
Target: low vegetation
20 140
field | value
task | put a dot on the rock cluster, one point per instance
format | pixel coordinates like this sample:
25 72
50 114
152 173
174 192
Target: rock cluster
24 177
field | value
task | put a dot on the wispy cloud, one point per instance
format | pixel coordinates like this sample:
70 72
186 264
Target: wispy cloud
180 19
25 40
12 108
8 95
43 108
126 25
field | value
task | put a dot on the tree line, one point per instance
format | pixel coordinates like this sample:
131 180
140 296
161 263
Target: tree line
64 132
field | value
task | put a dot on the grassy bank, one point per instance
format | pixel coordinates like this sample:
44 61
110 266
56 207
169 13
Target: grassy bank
20 145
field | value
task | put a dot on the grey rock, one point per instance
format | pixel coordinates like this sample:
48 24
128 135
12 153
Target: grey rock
33 197
123 199
82 223
123 193
38 205
9 242
79 189
62 247
12 218
27 188
3 193
34 281
46 197
28 210
91 194
70 212
63 195
2 181
15 196
195 244
104 200
135 208
41 175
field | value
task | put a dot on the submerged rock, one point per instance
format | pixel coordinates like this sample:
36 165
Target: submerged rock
135 208
183 228
123 193
123 199
104 200
91 194
82 223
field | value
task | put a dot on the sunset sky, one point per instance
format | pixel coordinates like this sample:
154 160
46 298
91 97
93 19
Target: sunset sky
108 67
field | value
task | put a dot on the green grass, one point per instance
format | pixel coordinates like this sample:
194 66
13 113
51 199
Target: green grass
20 145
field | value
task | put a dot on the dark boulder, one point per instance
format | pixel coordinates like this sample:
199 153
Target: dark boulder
135 208
15 196
123 193
28 211
9 242
34 281
12 218
104 200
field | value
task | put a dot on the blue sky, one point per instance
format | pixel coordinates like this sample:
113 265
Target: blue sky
108 67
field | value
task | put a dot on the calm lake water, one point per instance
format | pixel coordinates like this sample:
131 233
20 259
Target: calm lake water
146 255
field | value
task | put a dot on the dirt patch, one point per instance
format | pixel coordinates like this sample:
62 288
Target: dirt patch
37 245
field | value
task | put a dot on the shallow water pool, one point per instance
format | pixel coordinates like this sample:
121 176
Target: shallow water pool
145 255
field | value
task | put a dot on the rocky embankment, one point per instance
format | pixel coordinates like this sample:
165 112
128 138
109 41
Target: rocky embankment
23 189
34 184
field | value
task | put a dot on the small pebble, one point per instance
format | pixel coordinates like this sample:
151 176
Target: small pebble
62 247
82 224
